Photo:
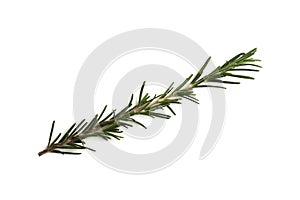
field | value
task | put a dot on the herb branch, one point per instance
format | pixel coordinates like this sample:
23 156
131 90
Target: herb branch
108 126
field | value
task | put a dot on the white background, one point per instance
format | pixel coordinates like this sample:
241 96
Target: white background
43 45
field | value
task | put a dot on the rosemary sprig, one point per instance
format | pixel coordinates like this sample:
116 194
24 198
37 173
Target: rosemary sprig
109 126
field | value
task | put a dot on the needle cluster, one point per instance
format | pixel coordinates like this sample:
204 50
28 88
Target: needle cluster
110 125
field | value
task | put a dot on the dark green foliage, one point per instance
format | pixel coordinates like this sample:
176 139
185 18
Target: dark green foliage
111 125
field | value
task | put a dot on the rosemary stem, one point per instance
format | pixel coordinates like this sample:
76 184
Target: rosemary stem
110 126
